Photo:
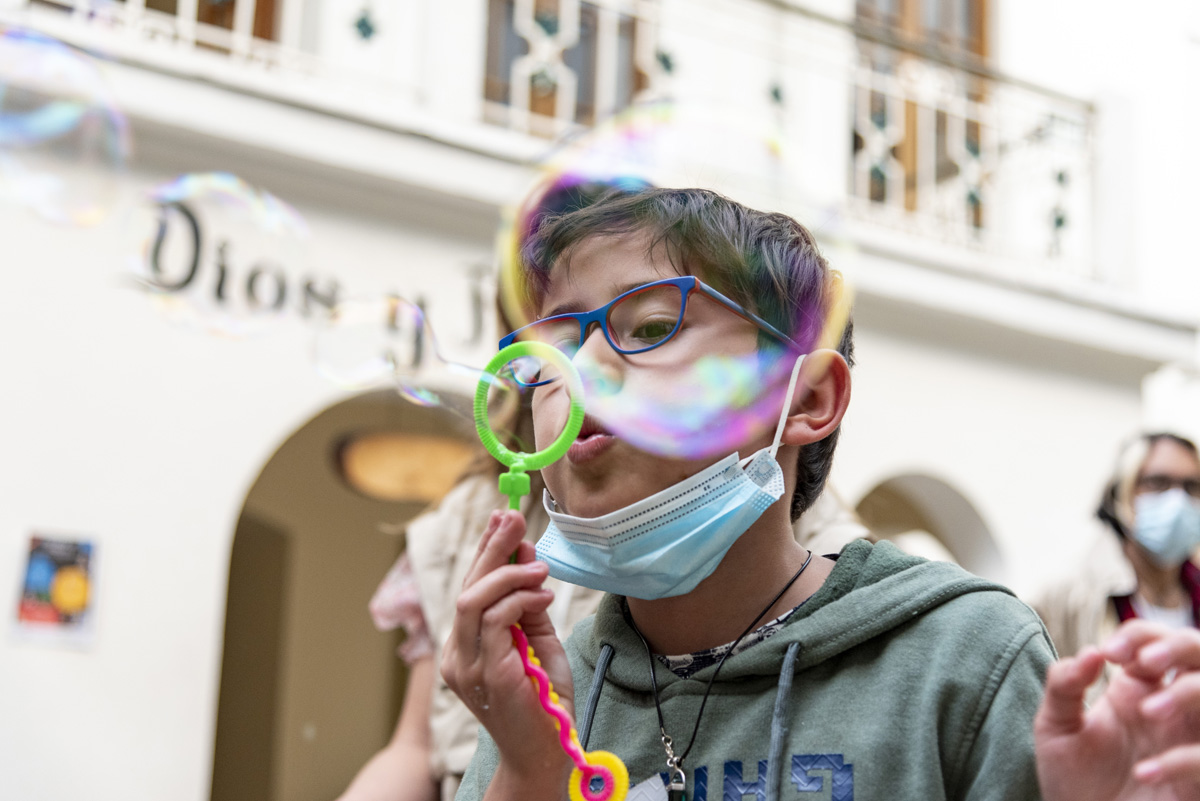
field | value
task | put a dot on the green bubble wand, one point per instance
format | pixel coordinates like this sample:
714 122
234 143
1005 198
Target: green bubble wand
603 769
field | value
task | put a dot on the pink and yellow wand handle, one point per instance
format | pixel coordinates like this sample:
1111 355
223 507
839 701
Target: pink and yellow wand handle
598 775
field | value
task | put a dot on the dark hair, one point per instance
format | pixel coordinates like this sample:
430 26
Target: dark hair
768 262
1117 495
568 193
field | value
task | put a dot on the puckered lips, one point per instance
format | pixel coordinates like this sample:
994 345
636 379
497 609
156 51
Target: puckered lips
593 440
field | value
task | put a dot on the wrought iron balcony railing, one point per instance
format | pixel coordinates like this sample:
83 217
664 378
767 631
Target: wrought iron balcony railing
972 160
939 152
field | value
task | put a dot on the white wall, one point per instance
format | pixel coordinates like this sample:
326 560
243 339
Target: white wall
145 437
1139 67
1028 443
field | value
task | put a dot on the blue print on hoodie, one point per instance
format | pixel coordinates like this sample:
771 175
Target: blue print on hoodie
736 788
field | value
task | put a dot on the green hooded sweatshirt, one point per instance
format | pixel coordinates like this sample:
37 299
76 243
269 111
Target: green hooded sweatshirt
898 680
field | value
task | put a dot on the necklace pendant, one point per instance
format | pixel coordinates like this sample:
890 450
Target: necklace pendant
677 789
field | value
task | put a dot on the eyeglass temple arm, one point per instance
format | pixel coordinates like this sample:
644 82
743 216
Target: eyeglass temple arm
742 311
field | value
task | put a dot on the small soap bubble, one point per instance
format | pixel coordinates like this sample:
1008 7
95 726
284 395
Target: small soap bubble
388 341
63 141
219 254
236 196
362 343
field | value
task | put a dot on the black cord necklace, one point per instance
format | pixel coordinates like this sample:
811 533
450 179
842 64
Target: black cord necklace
678 784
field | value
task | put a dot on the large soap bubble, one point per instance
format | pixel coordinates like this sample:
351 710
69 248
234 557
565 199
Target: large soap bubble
63 142
718 402
219 254
364 343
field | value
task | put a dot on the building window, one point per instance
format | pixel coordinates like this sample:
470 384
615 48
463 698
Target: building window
552 64
216 20
950 26
920 139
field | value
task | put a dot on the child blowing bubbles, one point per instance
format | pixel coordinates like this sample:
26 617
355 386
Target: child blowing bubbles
912 679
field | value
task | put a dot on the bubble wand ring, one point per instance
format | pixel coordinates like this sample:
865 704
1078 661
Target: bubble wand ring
515 482
590 765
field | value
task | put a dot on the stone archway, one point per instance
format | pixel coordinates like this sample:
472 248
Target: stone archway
900 506
309 689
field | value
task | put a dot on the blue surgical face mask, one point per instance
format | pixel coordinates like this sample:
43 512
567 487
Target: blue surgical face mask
1167 525
665 545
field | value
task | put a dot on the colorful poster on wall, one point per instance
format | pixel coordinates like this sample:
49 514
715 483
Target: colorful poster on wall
57 595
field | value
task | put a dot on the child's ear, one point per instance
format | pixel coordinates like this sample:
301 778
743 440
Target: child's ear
821 398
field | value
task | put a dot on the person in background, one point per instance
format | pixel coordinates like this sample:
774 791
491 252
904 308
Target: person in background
1140 565
436 735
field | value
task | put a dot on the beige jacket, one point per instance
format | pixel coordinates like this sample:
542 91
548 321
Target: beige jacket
441 546
1077 609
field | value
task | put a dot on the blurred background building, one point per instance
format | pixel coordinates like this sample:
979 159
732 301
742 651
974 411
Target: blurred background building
1003 181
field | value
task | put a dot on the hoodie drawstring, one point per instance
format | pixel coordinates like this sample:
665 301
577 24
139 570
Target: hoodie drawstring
778 722
589 711
778 717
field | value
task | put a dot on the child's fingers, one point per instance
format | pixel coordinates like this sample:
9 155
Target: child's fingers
1062 709
1182 695
1177 650
475 601
493 586
488 530
471 672
495 641
1178 765
509 611
1123 645
498 547
526 552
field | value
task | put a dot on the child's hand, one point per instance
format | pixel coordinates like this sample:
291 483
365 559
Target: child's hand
1141 740
481 664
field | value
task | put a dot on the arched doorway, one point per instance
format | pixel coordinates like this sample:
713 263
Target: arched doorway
928 516
309 689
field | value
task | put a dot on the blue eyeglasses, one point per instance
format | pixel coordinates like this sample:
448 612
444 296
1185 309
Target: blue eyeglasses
636 321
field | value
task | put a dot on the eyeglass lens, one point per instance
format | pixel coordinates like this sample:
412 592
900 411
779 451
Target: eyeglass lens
641 319
1162 483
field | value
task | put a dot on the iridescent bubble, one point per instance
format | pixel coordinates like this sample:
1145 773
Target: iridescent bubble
710 409
63 142
388 341
714 405
364 343
232 193
219 254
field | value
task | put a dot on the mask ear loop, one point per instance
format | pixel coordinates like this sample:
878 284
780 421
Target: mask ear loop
787 403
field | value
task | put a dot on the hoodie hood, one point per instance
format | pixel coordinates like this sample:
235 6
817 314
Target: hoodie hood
876 589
